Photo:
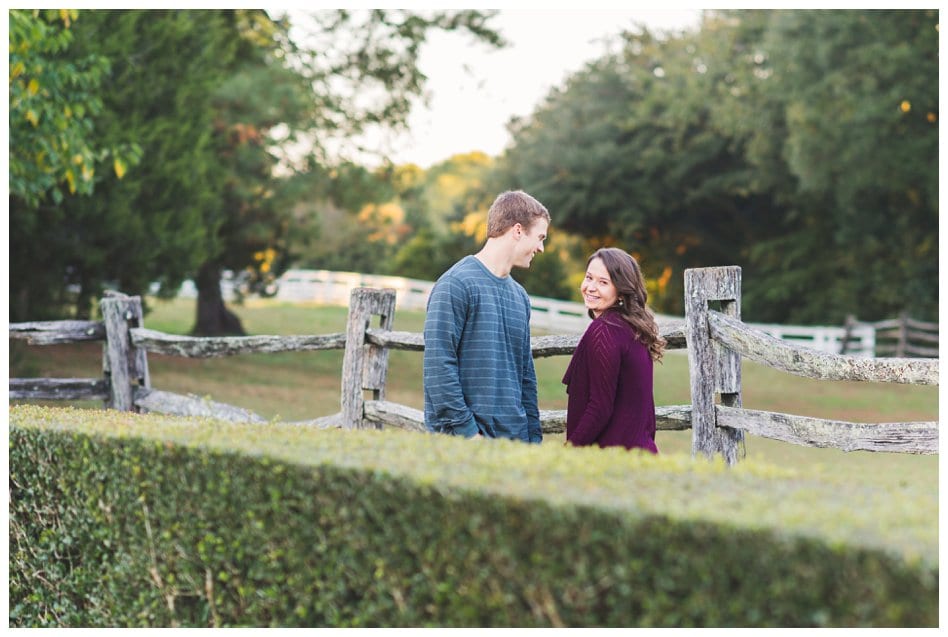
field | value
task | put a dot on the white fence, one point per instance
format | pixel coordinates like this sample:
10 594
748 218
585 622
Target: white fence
334 288
862 339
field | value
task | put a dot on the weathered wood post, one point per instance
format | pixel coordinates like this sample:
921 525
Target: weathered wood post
712 367
123 364
848 327
903 335
364 365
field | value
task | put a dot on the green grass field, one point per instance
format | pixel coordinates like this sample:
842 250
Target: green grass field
305 385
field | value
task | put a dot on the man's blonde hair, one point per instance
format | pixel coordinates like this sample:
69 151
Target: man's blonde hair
513 207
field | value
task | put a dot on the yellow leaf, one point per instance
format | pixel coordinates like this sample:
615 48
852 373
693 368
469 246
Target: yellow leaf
33 87
64 15
119 168
71 178
87 173
68 112
77 159
17 70
31 115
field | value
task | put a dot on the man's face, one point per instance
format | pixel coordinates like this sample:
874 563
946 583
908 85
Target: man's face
530 242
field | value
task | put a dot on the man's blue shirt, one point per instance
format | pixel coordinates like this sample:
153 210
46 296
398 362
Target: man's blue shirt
478 366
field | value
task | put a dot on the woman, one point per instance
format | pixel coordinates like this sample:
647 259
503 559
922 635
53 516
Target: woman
609 379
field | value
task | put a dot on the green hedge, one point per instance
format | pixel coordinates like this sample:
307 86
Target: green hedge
126 520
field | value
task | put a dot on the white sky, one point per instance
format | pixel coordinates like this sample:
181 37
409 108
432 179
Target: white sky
475 89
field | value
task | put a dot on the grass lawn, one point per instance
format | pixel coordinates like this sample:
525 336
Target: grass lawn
305 385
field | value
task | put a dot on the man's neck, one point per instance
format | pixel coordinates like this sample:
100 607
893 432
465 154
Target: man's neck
495 258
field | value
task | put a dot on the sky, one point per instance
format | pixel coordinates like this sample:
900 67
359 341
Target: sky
475 89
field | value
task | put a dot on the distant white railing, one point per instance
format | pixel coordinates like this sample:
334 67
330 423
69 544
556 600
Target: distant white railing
861 340
335 288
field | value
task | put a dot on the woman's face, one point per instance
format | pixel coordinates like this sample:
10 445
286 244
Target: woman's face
598 291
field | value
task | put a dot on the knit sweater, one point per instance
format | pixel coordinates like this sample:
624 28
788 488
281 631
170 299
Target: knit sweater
478 366
609 382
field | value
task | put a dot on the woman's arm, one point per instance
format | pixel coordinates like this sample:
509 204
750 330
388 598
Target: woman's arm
602 369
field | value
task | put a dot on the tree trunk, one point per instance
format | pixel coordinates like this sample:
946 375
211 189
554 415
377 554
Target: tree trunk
213 318
20 309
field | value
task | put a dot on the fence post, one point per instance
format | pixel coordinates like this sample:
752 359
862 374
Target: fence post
712 367
364 366
123 364
903 335
849 326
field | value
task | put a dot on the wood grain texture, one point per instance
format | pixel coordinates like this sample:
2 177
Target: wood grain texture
810 363
214 347
709 366
58 332
364 365
59 389
165 402
904 437
124 363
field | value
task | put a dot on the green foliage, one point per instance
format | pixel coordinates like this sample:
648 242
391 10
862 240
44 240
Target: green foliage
265 531
218 183
858 106
361 70
154 224
627 154
53 145
801 145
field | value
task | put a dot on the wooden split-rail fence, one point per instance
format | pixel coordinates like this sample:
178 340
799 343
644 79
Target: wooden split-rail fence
712 332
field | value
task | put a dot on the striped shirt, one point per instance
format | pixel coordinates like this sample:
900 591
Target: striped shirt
478 365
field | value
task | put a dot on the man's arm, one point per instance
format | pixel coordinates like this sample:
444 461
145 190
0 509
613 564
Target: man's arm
529 389
445 408
535 433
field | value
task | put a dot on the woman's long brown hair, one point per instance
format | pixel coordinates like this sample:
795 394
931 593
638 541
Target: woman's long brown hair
632 299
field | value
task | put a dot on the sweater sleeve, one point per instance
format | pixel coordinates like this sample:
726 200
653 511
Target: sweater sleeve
529 389
446 410
603 359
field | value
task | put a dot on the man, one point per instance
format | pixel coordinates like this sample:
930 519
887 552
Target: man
479 378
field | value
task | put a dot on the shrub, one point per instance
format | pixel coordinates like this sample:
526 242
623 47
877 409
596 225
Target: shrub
118 519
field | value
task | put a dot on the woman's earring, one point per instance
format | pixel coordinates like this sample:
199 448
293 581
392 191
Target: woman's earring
621 303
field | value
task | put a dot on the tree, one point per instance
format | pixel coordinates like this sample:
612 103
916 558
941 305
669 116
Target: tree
352 209
628 153
799 144
859 91
54 150
363 67
153 225
51 107
213 191
250 222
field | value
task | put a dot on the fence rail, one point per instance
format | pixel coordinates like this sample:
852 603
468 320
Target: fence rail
808 363
716 341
